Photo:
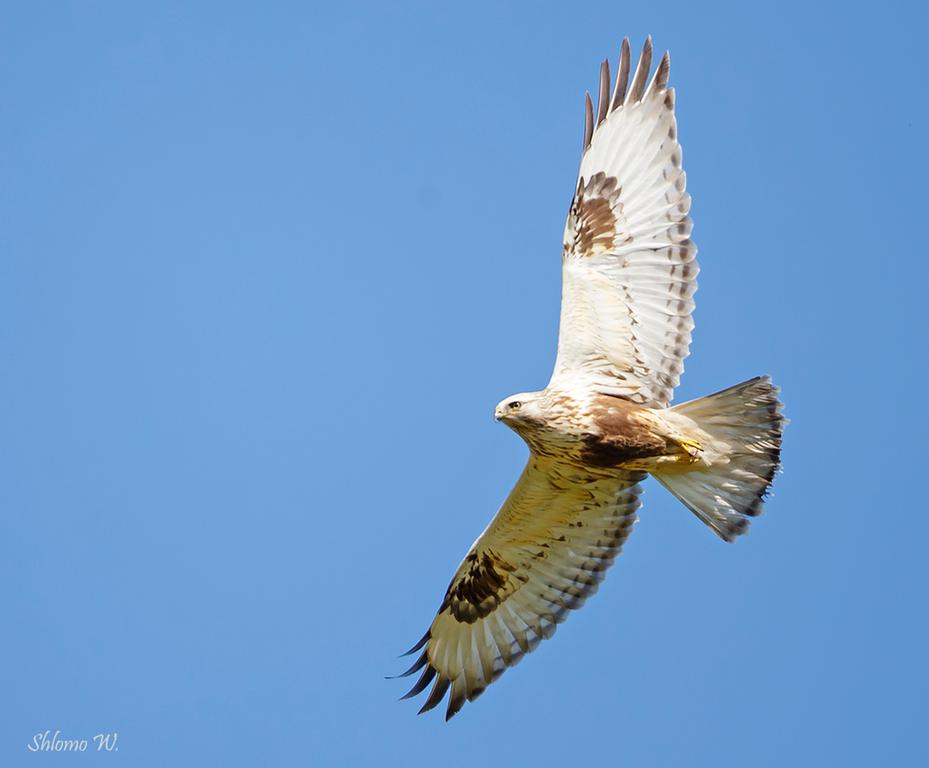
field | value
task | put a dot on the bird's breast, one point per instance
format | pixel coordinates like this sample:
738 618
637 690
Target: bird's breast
598 431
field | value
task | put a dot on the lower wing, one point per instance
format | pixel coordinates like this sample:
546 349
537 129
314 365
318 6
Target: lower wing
544 554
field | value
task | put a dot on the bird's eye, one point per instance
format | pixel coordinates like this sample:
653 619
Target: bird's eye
515 405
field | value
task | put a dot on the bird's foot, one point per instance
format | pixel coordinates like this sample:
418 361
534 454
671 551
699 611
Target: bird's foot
692 448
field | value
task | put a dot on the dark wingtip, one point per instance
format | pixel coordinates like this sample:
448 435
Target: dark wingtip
456 700
418 646
603 96
416 666
437 693
622 75
660 79
588 120
641 71
420 685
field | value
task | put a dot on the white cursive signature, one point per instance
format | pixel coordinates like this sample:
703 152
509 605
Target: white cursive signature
46 741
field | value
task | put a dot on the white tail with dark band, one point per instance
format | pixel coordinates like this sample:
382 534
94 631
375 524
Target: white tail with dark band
746 424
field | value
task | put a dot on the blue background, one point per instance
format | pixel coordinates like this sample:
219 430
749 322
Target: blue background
266 269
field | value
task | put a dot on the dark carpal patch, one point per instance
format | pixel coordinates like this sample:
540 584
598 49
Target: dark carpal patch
481 588
592 216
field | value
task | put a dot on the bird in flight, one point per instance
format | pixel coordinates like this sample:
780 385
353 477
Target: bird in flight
604 420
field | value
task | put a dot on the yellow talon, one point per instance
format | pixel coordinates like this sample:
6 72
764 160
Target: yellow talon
692 447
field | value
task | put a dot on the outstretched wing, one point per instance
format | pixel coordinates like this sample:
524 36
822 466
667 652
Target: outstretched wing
544 554
628 268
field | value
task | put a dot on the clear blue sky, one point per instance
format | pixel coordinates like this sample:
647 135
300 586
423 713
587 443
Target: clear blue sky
264 273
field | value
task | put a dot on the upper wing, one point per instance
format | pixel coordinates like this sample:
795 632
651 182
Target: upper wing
544 553
628 268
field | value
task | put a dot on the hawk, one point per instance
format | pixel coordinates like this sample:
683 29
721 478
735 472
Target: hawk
604 421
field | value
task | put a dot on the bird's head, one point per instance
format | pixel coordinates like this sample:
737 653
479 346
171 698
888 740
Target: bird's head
520 411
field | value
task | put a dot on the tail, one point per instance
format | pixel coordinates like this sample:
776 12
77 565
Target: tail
745 425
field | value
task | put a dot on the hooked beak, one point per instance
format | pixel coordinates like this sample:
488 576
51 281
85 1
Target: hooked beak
498 413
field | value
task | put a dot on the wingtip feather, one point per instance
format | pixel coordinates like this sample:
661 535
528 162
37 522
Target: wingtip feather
588 120
437 694
603 97
420 685
641 72
418 647
417 665
622 75
660 78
